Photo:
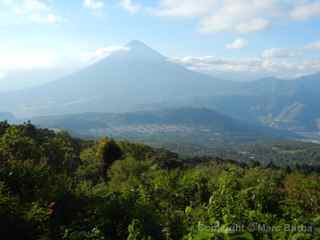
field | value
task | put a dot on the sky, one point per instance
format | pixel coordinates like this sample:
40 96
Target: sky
249 38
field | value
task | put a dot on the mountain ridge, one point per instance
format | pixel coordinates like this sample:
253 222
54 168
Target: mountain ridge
120 82
197 125
140 78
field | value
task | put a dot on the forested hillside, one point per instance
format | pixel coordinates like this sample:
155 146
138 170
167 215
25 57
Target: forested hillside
188 131
53 186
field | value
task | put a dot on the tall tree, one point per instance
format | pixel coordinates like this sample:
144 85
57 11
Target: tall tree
107 153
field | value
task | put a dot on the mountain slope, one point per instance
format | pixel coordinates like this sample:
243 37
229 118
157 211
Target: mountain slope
121 82
141 78
287 104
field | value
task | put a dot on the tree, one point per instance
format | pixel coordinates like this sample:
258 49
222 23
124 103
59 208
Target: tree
3 127
107 153
15 145
62 152
136 231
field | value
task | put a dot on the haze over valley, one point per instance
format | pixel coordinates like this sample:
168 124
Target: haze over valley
140 79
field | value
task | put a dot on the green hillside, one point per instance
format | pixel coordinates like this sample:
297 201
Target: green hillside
53 186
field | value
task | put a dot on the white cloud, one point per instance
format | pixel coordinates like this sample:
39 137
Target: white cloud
26 60
210 63
32 5
101 53
306 11
130 6
241 16
48 18
280 53
237 44
52 18
313 46
22 59
254 25
184 8
36 11
278 67
93 4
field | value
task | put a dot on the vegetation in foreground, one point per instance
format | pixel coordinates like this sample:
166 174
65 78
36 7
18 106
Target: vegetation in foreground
53 186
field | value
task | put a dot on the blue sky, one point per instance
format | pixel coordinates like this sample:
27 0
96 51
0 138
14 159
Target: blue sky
263 37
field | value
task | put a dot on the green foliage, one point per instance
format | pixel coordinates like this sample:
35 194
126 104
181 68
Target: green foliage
55 187
94 234
62 152
128 174
107 152
16 145
90 167
136 231
3 127
24 142
26 180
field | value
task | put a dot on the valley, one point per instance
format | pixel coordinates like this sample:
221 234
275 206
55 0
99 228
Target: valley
139 95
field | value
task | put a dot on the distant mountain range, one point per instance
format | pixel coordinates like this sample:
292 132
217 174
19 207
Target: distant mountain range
292 105
140 78
6 116
121 82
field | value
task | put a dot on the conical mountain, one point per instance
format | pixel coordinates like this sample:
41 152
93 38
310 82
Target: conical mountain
120 82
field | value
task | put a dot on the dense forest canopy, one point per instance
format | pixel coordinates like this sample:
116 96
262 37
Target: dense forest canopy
53 186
